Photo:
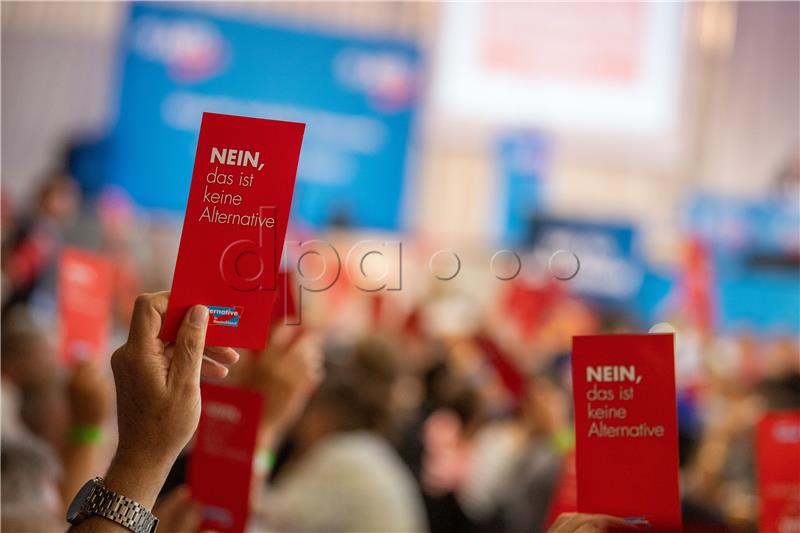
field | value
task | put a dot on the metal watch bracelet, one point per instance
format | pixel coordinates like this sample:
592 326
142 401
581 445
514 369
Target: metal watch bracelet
117 508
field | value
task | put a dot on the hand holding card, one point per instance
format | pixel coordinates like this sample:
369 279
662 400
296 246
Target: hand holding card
287 372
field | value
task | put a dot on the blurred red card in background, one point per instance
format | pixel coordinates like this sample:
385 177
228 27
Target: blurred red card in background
84 304
221 463
626 428
778 470
284 310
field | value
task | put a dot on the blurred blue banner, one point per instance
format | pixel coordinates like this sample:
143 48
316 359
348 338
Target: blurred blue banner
756 253
357 96
760 302
611 267
523 159
731 224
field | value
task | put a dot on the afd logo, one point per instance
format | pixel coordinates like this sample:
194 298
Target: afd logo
389 79
787 433
224 316
219 516
192 50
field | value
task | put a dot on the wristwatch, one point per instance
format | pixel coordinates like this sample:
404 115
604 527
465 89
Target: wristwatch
94 499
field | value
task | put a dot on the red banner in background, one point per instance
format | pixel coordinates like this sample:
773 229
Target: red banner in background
626 429
84 304
778 470
221 463
697 286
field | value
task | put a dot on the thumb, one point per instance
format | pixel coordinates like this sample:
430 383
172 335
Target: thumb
187 359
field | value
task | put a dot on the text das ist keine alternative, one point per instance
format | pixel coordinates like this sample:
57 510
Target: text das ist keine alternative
624 379
217 192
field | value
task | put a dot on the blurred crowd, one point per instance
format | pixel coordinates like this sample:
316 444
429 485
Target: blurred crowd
427 412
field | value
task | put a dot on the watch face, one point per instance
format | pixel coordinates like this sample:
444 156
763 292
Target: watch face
75 507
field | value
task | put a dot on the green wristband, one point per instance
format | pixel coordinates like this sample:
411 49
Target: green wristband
263 461
564 440
86 434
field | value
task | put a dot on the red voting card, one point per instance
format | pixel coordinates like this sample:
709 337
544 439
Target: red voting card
221 464
84 304
778 469
626 427
234 227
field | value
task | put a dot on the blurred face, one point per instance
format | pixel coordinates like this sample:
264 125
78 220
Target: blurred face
32 362
60 201
33 368
45 411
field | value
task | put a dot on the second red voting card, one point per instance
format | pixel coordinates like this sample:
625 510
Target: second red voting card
221 463
778 471
84 304
234 227
626 429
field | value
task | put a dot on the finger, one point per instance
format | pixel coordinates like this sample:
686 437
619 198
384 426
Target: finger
276 347
212 369
81 367
187 358
280 338
93 371
313 363
222 354
147 315
316 377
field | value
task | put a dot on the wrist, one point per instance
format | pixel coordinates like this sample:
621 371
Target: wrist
137 477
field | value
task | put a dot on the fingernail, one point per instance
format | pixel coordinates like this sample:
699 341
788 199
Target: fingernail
198 316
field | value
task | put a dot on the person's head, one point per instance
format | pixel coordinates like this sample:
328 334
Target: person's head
376 360
27 355
356 394
340 404
30 475
59 197
29 362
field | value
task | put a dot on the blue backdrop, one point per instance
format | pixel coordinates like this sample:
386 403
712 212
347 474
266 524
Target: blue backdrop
357 96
